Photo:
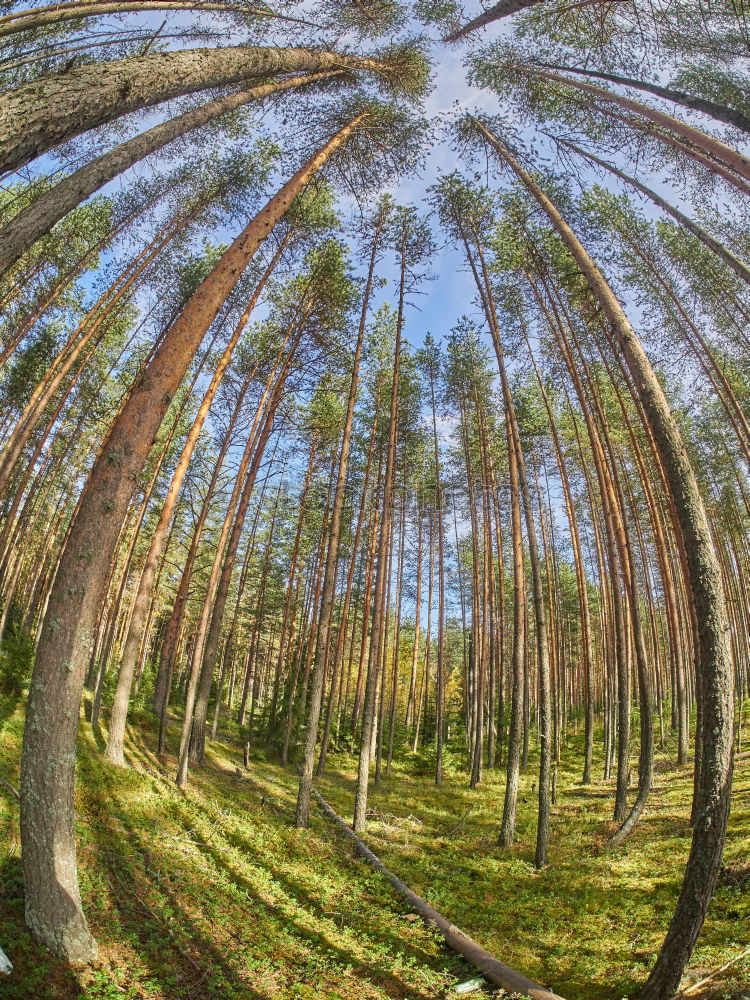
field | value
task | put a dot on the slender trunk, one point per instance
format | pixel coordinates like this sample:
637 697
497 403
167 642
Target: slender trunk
46 17
35 221
730 157
312 720
440 665
715 681
289 598
169 643
341 636
53 903
417 624
499 10
720 112
368 708
739 267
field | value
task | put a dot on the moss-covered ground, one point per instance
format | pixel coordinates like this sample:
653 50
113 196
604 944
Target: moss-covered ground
211 893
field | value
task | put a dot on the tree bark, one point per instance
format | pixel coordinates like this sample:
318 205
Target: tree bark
24 229
37 116
498 973
725 154
53 903
45 17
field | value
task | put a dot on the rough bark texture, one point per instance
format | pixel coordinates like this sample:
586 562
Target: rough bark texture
41 215
714 663
39 115
44 17
53 904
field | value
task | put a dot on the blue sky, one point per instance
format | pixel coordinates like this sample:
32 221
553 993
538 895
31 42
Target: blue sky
451 293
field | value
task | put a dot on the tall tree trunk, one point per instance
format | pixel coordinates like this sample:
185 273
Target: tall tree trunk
715 687
581 582
163 682
46 17
39 115
411 696
341 636
440 661
53 904
116 741
196 702
499 10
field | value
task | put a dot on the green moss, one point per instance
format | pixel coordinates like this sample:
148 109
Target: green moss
212 893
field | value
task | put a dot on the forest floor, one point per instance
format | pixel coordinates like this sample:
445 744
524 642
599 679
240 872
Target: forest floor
211 893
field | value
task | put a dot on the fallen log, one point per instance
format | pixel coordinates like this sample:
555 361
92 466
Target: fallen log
9 788
498 973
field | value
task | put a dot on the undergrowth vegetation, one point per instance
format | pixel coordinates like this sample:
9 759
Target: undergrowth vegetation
211 893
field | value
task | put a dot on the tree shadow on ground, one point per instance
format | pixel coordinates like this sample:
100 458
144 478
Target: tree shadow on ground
133 871
281 912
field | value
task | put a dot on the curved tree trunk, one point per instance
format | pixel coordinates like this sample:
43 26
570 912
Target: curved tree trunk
718 111
725 154
45 17
37 116
715 673
739 267
53 903
24 229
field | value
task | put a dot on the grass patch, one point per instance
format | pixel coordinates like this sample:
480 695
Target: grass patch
212 894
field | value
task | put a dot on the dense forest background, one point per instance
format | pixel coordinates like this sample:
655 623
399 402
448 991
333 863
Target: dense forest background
375 419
